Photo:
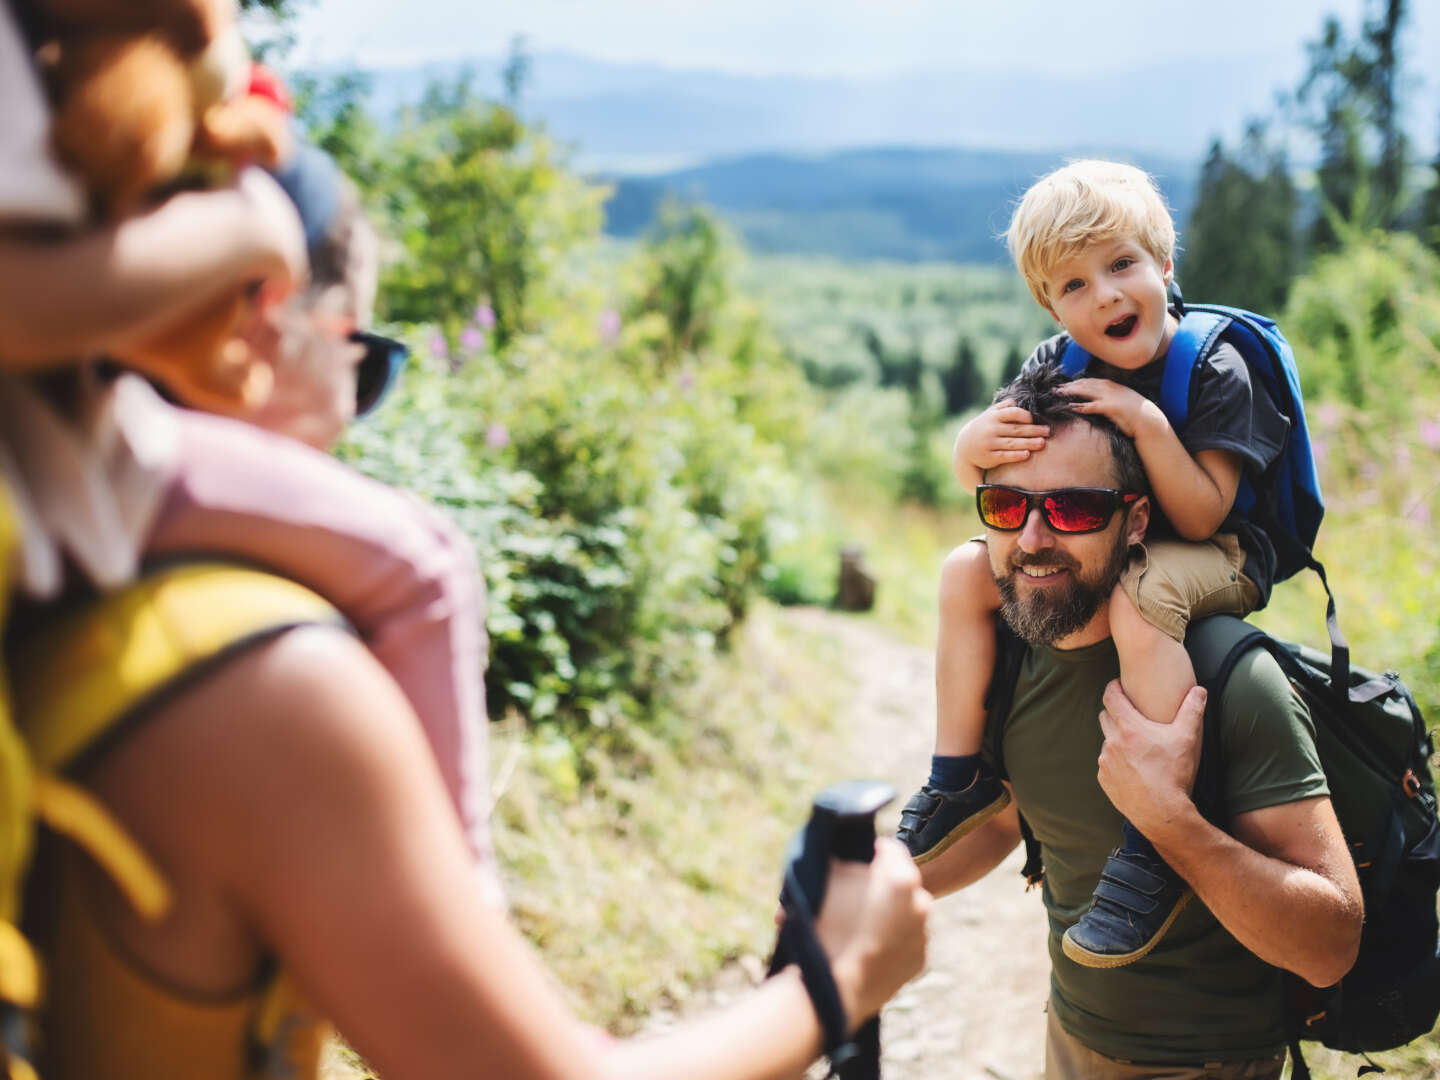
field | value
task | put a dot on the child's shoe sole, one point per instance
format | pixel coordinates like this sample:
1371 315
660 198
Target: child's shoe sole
933 820
1135 905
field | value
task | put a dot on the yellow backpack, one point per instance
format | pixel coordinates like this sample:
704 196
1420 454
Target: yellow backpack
80 678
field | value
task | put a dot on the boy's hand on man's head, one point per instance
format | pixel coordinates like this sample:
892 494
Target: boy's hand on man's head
1132 413
1000 435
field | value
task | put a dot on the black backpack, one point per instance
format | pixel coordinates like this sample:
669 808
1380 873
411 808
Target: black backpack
1375 749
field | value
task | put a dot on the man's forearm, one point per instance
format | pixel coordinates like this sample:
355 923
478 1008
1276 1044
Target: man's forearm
1290 916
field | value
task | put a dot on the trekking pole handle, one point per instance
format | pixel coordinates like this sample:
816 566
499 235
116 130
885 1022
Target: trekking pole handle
841 826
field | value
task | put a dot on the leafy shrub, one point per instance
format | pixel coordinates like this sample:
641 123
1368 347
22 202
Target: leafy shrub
1365 322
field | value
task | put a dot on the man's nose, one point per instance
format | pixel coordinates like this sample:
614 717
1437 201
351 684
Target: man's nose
1035 535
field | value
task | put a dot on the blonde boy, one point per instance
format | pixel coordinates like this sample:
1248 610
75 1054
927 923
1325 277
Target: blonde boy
1095 243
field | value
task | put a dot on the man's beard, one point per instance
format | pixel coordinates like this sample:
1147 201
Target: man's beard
1044 616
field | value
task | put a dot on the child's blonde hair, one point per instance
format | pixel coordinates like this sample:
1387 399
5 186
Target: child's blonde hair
1083 203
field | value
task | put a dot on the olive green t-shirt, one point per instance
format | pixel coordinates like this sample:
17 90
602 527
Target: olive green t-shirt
1200 996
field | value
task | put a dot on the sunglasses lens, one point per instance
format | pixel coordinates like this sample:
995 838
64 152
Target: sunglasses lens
1078 511
1003 508
376 370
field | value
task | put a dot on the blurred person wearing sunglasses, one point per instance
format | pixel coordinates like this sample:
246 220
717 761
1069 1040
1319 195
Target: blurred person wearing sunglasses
259 485
1095 244
1279 889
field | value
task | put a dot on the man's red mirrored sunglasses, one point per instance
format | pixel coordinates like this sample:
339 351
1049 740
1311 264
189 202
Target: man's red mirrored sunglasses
1066 510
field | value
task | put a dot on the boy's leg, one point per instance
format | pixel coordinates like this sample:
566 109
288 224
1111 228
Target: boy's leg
1139 896
962 792
1173 583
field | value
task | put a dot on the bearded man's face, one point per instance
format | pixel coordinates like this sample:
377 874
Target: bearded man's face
1044 616
1052 583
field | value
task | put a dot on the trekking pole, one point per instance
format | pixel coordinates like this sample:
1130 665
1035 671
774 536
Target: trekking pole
842 826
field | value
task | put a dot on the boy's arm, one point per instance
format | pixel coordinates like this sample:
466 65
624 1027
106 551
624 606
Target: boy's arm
1000 435
113 287
1195 492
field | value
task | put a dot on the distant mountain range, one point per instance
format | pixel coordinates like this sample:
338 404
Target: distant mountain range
615 113
942 156
903 203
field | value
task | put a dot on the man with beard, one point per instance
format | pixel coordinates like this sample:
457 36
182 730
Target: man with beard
1277 891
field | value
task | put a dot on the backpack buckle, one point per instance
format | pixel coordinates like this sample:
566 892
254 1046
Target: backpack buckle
1410 783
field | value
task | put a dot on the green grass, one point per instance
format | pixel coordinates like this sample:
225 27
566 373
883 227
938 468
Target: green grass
644 881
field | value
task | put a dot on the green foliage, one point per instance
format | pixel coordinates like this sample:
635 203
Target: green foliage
481 210
1365 323
961 382
625 491
1428 223
1240 247
1351 90
335 119
1014 361
838 319
685 277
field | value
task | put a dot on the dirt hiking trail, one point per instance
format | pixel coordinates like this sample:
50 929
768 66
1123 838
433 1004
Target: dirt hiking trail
978 1009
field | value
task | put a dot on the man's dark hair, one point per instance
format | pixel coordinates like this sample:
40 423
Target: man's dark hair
1037 390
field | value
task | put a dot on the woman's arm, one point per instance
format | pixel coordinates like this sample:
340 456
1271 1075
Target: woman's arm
300 791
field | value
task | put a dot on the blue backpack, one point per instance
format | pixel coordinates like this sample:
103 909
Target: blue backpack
1286 500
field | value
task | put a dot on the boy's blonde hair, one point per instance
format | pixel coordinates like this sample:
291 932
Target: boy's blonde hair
1083 203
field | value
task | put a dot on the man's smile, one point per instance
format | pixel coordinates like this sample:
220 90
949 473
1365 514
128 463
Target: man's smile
1034 572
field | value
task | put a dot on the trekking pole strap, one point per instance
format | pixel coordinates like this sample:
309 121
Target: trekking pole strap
841 825
799 944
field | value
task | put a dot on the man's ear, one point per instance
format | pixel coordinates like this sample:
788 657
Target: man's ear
1137 520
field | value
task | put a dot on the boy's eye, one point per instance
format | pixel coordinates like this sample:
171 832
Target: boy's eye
1123 263
1071 285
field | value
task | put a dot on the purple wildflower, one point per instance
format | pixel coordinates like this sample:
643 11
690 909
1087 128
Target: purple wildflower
439 347
1430 433
609 325
472 339
485 317
497 436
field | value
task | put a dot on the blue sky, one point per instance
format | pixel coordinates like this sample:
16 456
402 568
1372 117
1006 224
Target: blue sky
840 37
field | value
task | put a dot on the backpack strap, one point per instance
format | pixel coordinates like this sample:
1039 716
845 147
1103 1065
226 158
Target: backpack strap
1194 338
85 677
999 696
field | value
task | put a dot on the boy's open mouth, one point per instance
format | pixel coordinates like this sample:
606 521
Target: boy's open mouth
1122 328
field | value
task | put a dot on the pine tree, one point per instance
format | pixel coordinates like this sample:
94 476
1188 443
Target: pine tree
961 381
1240 247
1364 154
1428 222
1013 363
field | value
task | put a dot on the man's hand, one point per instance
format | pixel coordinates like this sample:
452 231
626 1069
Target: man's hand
1002 434
1147 768
1126 409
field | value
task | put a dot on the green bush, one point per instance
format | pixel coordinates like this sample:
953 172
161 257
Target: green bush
1365 323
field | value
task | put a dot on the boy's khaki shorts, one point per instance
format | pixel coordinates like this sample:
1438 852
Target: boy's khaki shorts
1174 581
